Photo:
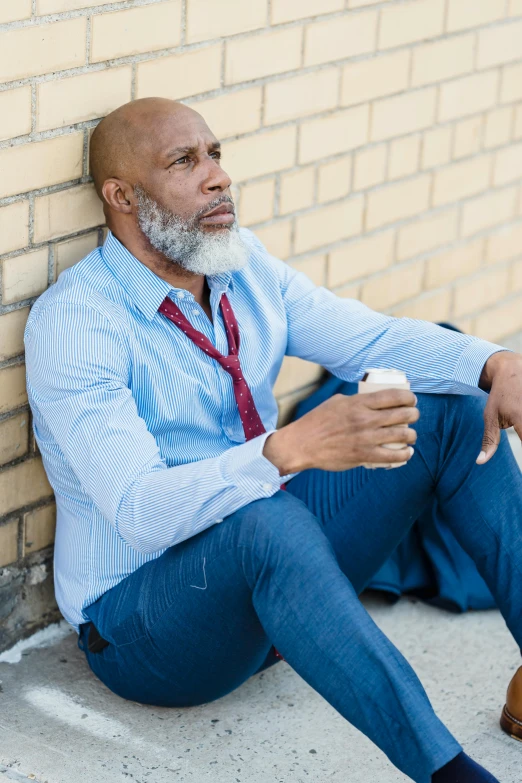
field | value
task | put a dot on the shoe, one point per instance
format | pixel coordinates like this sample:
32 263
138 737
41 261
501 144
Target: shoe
511 718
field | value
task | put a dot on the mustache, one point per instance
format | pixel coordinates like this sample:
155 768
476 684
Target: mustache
213 204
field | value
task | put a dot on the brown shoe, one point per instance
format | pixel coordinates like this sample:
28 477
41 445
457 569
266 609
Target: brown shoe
511 718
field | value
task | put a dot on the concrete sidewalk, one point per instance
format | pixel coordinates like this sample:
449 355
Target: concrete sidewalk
59 724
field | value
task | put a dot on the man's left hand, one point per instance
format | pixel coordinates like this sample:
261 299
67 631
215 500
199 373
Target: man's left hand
502 377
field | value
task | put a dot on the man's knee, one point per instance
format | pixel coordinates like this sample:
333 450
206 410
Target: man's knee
282 516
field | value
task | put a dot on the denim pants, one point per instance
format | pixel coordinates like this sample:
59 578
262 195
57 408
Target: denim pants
285 571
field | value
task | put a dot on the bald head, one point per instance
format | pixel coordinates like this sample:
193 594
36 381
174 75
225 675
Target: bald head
123 141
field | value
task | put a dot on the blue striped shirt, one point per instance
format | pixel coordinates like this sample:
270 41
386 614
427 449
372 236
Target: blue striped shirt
138 428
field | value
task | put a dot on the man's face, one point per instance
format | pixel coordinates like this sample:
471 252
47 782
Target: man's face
183 201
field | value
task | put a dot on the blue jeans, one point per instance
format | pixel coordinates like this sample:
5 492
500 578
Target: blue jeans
194 624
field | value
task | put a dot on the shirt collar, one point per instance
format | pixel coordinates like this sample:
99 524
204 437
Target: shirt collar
146 290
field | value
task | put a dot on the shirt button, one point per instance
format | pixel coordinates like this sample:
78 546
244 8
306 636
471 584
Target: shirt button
267 487
195 312
218 520
181 295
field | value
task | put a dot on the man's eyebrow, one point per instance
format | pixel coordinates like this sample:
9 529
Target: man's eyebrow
214 146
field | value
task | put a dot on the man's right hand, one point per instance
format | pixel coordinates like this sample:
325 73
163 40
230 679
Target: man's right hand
345 432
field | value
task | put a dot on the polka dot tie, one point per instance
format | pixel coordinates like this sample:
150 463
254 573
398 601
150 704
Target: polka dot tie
252 424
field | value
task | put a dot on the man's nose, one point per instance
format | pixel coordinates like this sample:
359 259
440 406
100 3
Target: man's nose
217 179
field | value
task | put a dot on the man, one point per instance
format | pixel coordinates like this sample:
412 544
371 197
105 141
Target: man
150 368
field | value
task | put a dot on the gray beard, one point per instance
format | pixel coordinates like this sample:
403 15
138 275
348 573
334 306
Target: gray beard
185 243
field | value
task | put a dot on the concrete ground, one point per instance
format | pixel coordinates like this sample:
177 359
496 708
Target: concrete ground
59 724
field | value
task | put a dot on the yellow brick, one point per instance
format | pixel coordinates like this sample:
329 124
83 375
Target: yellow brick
12 10
57 6
297 190
261 154
180 76
446 267
257 202
36 165
361 3
67 211
427 234
42 48
497 130
459 180
39 527
517 132
429 307
288 99
14 437
340 132
399 201
504 244
444 59
15 111
12 327
370 166
227 17
348 291
466 325
515 277
328 224
515 8
262 55
290 10
24 276
360 258
67 253
436 147
80 98
468 95
314 267
500 321
404 157
468 136
13 392
483 290
9 543
472 13
376 77
511 87
403 114
232 114
409 22
144 29
23 484
489 210
508 165
393 287
497 45
334 179
277 238
14 226
295 373
336 39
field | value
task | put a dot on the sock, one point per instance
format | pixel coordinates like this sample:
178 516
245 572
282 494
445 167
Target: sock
462 769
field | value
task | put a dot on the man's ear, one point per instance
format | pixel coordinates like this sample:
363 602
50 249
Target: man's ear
118 194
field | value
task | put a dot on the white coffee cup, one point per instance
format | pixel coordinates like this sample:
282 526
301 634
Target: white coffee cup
376 380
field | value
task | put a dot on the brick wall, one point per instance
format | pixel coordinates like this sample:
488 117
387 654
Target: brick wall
377 146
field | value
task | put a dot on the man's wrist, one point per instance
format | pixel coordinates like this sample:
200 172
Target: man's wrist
279 451
489 369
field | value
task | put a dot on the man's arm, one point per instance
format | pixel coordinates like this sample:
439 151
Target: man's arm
78 371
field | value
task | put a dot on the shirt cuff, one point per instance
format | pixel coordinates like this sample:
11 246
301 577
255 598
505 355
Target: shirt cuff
472 360
247 468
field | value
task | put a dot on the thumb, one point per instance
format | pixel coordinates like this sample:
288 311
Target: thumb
491 437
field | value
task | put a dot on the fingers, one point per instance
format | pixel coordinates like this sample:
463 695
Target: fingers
491 437
391 456
391 417
390 398
405 435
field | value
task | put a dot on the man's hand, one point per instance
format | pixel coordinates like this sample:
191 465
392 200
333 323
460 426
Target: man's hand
502 377
345 432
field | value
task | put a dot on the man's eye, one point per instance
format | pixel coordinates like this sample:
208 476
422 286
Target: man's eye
182 160
216 155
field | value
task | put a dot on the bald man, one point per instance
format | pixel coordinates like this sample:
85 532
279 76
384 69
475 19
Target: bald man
179 560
